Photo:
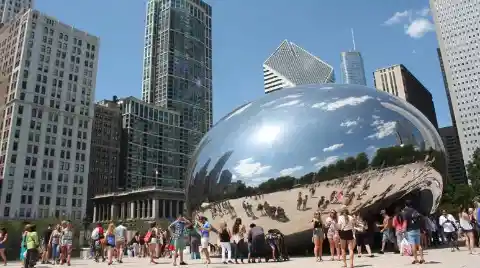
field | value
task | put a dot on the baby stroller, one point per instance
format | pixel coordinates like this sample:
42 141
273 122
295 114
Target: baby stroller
276 240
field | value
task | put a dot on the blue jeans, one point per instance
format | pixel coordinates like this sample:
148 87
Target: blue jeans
55 251
413 237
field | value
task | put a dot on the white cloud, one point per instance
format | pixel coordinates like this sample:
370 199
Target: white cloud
397 17
350 131
234 177
350 123
333 147
327 161
289 103
248 168
383 129
239 111
371 148
350 101
313 158
423 12
290 171
419 27
255 181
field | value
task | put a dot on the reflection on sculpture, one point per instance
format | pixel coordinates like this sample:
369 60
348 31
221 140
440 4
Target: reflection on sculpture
319 147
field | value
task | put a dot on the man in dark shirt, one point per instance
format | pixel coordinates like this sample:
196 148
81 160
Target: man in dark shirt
46 249
414 223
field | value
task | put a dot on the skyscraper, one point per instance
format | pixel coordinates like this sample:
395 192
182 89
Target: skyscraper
46 117
10 8
456 168
353 70
177 63
458 34
399 81
291 65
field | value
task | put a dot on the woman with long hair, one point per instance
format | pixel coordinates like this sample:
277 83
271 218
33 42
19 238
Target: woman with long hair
110 242
238 234
362 235
23 246
345 231
467 229
66 242
3 241
152 238
225 236
54 243
318 235
332 234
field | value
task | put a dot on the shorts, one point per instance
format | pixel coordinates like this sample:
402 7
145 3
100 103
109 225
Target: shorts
204 242
318 233
362 238
413 237
179 243
388 236
346 235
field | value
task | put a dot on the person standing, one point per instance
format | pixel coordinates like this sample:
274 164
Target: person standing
467 228
194 241
362 235
413 226
151 239
318 236
450 228
54 243
345 231
178 236
238 232
205 228
225 236
120 238
400 226
66 243
332 234
3 241
32 245
45 245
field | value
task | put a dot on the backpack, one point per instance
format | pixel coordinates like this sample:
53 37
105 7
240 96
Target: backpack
111 240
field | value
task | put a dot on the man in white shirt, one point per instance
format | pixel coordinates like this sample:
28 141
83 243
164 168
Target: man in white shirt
450 228
120 237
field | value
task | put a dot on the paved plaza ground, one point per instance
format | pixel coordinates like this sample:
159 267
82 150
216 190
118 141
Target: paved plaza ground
441 258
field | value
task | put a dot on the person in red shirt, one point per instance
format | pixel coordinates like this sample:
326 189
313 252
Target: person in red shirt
400 226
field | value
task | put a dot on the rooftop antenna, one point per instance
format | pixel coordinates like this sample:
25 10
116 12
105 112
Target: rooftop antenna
353 40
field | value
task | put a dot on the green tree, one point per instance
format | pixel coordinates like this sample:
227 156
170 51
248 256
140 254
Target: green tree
473 171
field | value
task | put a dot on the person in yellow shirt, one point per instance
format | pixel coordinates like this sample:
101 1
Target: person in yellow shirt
32 244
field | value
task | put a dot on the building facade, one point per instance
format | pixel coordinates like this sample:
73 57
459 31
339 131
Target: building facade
291 65
46 117
399 81
10 8
177 62
456 168
353 70
104 174
153 161
458 41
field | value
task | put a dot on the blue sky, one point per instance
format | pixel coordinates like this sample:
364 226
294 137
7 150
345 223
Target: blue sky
246 32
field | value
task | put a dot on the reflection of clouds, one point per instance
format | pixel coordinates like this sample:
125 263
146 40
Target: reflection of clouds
350 101
255 181
313 158
292 96
268 104
289 103
350 131
327 161
383 129
234 177
333 147
350 123
248 168
290 171
239 111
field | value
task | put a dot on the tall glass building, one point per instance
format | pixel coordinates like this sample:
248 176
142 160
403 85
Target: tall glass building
177 65
353 71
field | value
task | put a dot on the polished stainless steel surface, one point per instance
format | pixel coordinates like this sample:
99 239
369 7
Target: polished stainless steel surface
330 145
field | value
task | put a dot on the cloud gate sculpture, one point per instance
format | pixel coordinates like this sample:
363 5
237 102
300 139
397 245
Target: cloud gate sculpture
278 159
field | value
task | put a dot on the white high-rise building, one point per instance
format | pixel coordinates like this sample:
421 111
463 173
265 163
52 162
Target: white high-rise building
291 65
10 8
47 111
457 24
